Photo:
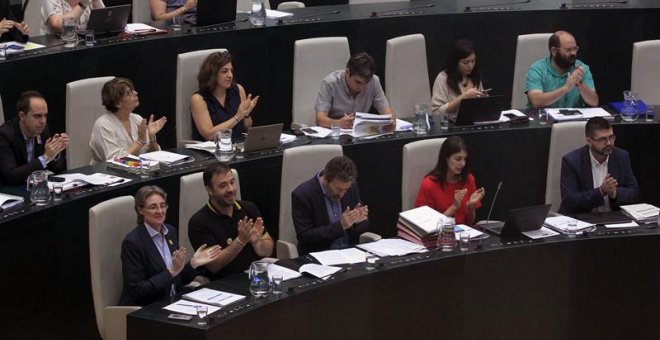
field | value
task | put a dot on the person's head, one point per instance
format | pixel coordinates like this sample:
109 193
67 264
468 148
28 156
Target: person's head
359 71
462 62
216 71
32 112
600 136
338 176
151 205
452 161
119 94
563 49
220 184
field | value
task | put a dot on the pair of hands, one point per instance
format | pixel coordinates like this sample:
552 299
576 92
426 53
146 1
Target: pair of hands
473 93
250 230
575 78
474 198
56 144
202 256
246 106
150 128
352 216
609 186
6 25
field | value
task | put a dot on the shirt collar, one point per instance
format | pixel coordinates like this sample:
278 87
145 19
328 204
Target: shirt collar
594 161
153 232
554 72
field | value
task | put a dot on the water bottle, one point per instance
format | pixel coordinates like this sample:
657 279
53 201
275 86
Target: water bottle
421 122
446 236
258 14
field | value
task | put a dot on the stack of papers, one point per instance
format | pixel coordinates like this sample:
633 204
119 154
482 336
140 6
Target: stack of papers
7 201
540 233
642 213
420 225
316 270
343 256
14 47
130 163
372 125
189 308
76 180
560 224
213 297
142 29
583 113
392 247
204 146
166 157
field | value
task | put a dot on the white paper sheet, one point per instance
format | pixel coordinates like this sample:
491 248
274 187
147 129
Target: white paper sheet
343 256
189 308
392 247
541 233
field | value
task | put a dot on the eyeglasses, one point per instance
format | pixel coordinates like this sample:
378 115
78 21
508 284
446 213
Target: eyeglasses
130 93
155 207
570 49
604 140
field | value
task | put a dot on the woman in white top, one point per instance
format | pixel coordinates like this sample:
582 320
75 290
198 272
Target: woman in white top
53 11
459 79
120 132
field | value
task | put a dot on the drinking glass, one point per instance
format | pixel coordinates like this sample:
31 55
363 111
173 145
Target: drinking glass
336 131
202 311
69 35
277 284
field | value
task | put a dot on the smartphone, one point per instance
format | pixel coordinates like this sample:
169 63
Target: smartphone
568 112
56 179
181 317
309 130
511 116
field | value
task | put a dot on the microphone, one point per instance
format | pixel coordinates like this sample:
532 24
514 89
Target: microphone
281 21
492 204
591 4
404 11
469 9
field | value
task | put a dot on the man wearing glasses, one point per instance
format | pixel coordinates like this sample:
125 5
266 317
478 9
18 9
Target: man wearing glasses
560 80
597 177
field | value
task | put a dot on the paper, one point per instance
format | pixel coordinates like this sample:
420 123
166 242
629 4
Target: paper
204 146
319 271
14 47
516 113
189 308
474 233
286 273
540 233
139 28
584 113
424 219
287 138
166 157
392 247
213 297
367 124
642 213
560 223
343 256
319 131
273 14
630 224
7 201
75 180
402 125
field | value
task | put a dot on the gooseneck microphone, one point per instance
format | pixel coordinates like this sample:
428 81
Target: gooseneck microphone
282 21
470 8
587 4
405 10
492 204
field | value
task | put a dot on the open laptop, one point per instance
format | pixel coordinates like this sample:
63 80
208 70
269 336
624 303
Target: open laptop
482 110
519 220
211 12
263 137
109 20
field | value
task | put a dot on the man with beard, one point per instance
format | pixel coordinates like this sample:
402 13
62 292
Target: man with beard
597 177
234 225
560 80
326 209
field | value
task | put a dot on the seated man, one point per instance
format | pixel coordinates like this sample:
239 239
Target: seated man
560 80
354 89
326 210
234 225
26 144
598 176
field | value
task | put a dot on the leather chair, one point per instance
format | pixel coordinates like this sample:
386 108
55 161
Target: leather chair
530 48
290 5
407 74
419 158
565 137
645 71
33 17
141 11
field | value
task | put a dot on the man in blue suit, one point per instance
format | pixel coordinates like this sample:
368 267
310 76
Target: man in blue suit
598 176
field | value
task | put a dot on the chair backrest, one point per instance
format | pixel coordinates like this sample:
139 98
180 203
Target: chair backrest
646 71
419 158
83 107
2 112
141 11
32 15
355 2
530 48
109 222
290 5
187 67
565 137
298 165
407 74
313 60
192 197
246 5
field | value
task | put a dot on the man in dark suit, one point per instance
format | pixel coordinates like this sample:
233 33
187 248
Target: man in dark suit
326 210
11 30
598 176
26 144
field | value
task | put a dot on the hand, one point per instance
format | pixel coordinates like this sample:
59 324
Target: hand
458 197
246 106
205 255
472 93
476 197
346 122
575 78
190 4
257 231
6 25
348 218
244 229
23 27
142 130
56 144
362 213
178 261
154 126
609 186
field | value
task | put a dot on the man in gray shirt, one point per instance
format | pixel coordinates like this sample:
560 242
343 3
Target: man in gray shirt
354 89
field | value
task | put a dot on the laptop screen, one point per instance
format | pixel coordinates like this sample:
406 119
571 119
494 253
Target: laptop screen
211 12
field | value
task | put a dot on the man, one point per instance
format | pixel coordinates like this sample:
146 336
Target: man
234 225
560 80
354 89
11 30
598 176
326 210
26 144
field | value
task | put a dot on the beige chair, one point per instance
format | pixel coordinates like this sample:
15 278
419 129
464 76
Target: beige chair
531 47
187 67
565 137
32 16
141 11
313 60
245 6
407 73
645 71
419 158
83 107
109 222
290 5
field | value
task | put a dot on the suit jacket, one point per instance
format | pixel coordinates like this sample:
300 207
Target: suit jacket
14 167
14 34
310 217
578 194
146 278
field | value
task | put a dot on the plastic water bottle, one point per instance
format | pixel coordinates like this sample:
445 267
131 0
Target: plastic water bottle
446 236
258 14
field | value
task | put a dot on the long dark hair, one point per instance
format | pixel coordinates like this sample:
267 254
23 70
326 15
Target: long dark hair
461 49
451 146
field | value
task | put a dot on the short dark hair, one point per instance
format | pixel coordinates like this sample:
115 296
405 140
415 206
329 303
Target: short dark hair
361 65
461 49
143 194
594 124
212 170
452 145
207 77
23 104
554 41
341 168
113 91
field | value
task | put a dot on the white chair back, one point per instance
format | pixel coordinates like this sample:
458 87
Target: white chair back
565 137
290 5
645 71
245 6
531 47
407 74
141 11
32 16
419 158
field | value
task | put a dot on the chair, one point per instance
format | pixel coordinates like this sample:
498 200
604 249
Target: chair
109 222
187 67
290 5
83 106
313 60
141 11
419 158
531 47
646 71
33 17
565 137
406 73
245 6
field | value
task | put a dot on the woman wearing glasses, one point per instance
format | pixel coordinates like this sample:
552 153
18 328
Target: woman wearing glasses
119 131
220 103
153 264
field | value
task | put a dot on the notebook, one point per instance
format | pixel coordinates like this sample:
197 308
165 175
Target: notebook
519 220
263 137
482 110
211 12
109 20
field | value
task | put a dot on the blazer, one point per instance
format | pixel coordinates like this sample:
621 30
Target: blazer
146 278
310 217
14 33
578 194
14 167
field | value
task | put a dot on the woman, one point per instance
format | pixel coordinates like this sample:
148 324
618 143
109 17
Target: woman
153 265
54 11
459 79
166 9
119 132
450 187
10 29
220 103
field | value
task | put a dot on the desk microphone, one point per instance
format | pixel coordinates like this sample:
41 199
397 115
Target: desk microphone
492 204
282 21
470 8
565 5
375 14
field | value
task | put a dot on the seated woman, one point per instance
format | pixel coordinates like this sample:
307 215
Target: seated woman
153 265
220 103
166 9
459 79
119 132
54 11
10 29
450 187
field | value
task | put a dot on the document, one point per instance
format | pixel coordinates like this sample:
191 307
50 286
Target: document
7 201
166 157
392 247
583 113
540 233
130 163
630 224
372 125
75 180
316 131
642 213
189 308
213 297
316 270
474 233
560 224
402 125
342 256
208 146
422 220
273 14
287 138
14 47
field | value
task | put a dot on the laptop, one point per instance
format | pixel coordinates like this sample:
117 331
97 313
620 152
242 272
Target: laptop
211 12
263 137
482 110
109 20
519 220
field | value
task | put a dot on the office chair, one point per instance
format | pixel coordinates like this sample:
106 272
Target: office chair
141 11
33 17
290 5
419 158
407 74
646 71
565 137
530 48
